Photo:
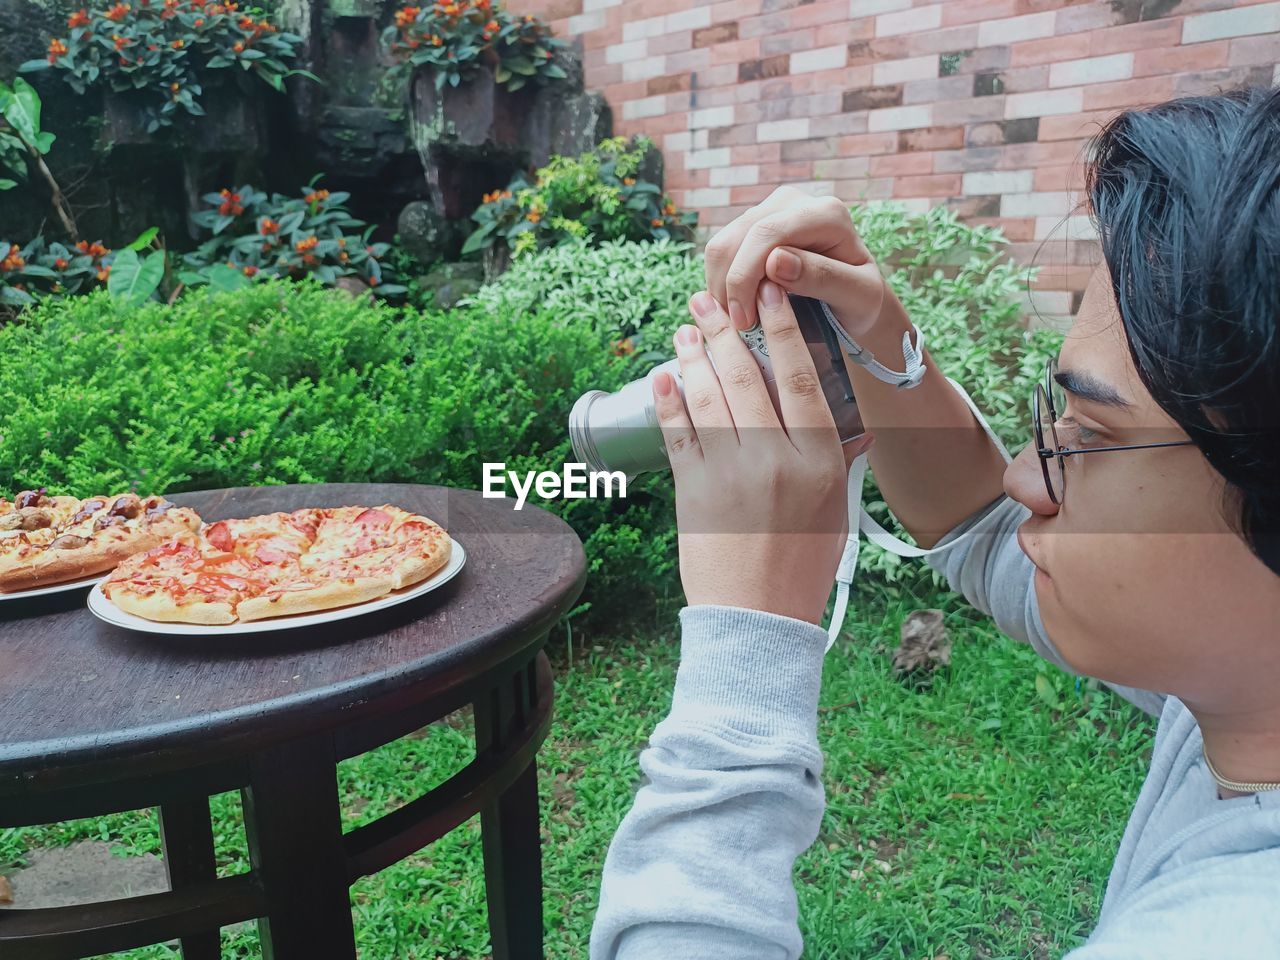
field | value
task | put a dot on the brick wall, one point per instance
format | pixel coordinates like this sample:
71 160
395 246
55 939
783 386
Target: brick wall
983 105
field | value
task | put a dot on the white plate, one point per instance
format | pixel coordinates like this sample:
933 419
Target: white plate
55 588
105 610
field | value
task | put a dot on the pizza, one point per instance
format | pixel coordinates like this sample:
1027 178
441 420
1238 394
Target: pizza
280 564
47 540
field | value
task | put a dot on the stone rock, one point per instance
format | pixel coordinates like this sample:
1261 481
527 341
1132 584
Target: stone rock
452 282
84 872
427 235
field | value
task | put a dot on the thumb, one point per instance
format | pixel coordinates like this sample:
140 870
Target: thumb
855 294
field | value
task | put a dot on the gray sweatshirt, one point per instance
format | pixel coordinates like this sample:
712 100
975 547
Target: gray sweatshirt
701 865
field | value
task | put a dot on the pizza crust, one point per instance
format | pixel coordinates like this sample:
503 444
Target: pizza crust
161 607
324 596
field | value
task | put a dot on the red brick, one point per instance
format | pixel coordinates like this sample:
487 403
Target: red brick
872 98
785 172
931 138
1135 36
763 26
969 160
823 149
1016 230
868 143
1025 79
843 168
1128 93
677 42
1093 16
975 11
1060 179
668 84
838 125
756 153
981 60
739 135
970 207
793 42
845 31
1262 49
1050 50
735 52
942 41
1214 81
1020 156
716 33
1072 126
753 194
729 9
820 14
934 185
604 37
862 189
901 164
1197 56
629 90
561 9
768 67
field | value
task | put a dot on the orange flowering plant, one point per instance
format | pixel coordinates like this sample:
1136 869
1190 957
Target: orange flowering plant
454 36
167 48
600 196
44 268
262 236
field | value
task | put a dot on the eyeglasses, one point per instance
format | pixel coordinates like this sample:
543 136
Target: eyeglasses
1048 399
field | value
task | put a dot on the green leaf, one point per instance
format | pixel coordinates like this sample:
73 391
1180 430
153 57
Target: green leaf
7 184
21 107
225 279
44 141
1046 691
478 239
31 66
144 239
133 281
555 72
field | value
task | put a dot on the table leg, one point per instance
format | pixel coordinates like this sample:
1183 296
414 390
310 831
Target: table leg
510 828
294 827
186 836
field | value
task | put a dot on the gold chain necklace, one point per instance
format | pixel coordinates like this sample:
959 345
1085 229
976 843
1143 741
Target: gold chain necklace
1234 784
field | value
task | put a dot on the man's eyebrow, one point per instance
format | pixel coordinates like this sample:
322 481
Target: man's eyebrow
1086 387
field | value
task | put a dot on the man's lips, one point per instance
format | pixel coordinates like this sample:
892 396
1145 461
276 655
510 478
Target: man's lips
1022 544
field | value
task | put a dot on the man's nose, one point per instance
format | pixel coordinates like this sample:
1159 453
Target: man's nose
1024 482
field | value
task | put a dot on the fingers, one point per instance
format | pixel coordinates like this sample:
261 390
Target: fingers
703 397
821 225
736 369
855 294
678 435
804 405
723 247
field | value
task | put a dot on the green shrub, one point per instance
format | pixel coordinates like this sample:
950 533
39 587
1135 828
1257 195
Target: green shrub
285 383
597 196
633 295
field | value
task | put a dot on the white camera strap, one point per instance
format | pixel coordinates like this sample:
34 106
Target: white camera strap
862 522
912 357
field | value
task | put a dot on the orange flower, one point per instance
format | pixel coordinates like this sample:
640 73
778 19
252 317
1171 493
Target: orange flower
629 181
238 47
199 21
246 23
56 49
250 271
97 250
343 257
120 42
533 216
13 260
307 245
655 222
178 44
78 19
407 16
436 41
623 348
268 227
61 263
492 26
118 12
83 246
373 281
669 209
315 196
103 274
175 87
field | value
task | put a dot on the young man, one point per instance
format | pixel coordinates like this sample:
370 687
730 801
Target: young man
1137 540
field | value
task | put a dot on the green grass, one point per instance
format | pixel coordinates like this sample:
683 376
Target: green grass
994 802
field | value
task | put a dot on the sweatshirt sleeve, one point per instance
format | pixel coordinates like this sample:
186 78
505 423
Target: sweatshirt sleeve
990 570
701 865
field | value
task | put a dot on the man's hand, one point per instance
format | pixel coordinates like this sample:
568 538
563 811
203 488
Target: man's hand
760 498
808 246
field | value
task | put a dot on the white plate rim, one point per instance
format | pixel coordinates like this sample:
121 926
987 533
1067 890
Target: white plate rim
108 612
56 587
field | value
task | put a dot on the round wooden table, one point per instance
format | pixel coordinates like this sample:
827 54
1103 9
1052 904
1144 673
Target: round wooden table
95 719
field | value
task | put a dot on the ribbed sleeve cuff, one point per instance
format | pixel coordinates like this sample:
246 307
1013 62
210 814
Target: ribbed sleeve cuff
757 673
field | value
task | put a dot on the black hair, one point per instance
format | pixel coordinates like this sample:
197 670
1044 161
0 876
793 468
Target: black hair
1186 199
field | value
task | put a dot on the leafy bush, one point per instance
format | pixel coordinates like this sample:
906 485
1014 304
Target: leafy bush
454 37
290 383
961 289
47 268
597 196
283 237
633 295
166 47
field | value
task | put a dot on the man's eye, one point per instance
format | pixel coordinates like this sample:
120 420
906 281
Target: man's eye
1079 433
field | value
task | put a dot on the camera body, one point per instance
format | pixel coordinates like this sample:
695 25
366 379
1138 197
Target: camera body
620 432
